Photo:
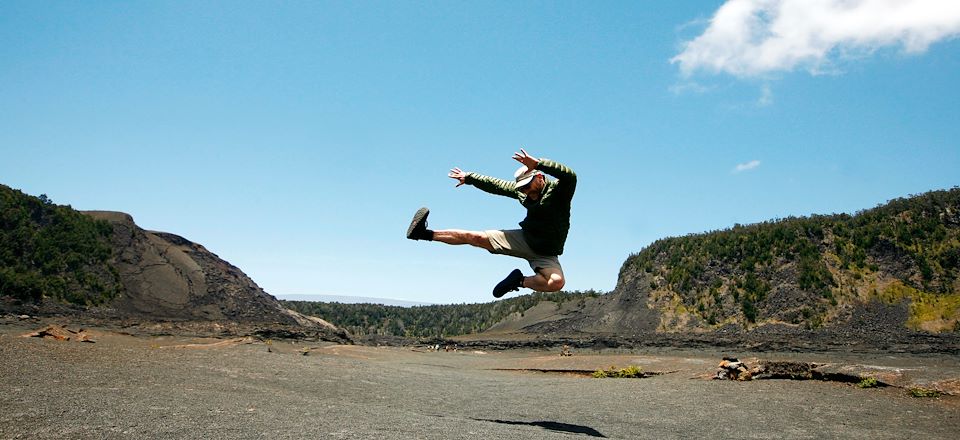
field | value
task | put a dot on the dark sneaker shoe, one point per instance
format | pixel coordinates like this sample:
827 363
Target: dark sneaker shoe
418 226
514 281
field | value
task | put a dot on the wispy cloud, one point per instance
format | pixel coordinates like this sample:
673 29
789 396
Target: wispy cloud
753 38
766 96
746 166
688 87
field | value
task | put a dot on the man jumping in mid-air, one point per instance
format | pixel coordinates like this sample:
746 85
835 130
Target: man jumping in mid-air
542 233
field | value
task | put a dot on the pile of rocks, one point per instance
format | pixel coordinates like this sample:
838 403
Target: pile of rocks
60 333
731 368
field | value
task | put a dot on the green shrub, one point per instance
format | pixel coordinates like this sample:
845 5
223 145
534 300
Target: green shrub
868 382
749 310
924 392
630 372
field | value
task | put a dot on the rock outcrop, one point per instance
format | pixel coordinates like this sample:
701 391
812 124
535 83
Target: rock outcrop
167 277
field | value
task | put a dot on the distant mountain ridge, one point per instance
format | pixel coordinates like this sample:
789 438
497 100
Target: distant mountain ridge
444 320
347 299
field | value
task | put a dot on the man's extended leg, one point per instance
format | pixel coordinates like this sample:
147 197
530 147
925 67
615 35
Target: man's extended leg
418 231
544 280
458 236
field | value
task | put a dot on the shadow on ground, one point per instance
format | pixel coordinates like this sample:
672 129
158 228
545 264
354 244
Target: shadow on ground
552 426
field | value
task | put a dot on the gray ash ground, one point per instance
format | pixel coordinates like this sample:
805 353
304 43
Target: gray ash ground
172 386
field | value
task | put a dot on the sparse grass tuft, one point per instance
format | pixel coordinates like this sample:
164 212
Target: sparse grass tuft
630 372
924 392
868 382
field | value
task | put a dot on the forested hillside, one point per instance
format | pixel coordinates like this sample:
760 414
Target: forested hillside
53 258
811 270
427 321
52 251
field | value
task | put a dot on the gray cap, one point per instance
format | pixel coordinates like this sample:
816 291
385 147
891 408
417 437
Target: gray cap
524 176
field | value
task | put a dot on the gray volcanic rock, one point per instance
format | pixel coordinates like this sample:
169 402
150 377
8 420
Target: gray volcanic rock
168 277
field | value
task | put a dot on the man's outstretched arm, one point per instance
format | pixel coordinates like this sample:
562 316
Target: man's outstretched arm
489 184
566 178
555 169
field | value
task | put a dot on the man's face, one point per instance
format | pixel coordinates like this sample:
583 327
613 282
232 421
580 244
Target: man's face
533 189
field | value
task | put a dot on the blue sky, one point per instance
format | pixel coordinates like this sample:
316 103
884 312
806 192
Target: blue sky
296 139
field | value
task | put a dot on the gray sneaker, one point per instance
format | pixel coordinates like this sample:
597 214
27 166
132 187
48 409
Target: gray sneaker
418 226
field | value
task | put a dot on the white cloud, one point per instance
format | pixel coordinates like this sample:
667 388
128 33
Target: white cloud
746 166
749 38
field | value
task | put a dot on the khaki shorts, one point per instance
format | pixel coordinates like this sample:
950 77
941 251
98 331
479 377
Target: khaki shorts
511 242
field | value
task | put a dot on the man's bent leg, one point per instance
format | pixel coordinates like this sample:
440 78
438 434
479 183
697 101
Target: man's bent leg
458 236
545 280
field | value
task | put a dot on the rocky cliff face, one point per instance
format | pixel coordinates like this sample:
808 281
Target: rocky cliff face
168 277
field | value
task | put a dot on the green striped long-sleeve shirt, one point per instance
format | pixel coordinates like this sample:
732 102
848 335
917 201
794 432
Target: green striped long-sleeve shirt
548 219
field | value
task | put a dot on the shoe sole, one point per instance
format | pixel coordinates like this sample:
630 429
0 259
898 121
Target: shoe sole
504 290
421 214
